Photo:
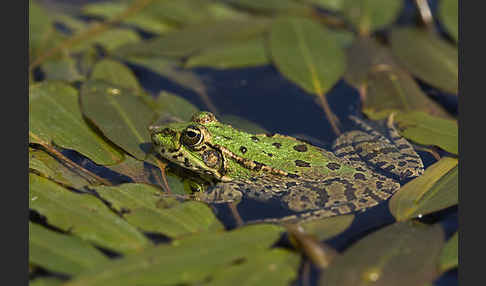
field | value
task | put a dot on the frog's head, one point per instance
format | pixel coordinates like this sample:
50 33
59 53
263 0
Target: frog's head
188 144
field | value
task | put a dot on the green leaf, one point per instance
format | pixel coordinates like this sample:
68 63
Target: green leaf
61 253
143 206
383 84
370 15
234 55
425 129
115 73
399 254
46 281
242 124
449 257
122 116
184 261
83 215
50 168
436 189
274 267
62 69
42 34
334 5
288 7
427 57
449 16
168 104
326 228
110 40
307 54
54 115
195 38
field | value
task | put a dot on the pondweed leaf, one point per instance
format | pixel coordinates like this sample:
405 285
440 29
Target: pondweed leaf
120 114
168 104
426 129
370 15
449 257
185 261
46 281
47 166
401 254
115 73
427 57
384 86
306 53
192 39
144 207
63 69
436 189
274 267
55 116
449 17
234 55
61 253
334 5
328 227
83 215
285 7
110 40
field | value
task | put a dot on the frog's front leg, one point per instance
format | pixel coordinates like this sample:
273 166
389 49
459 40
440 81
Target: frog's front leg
395 156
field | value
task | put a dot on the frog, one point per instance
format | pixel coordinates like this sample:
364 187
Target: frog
362 168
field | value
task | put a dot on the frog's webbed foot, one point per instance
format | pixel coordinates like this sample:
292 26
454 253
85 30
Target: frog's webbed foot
395 155
220 193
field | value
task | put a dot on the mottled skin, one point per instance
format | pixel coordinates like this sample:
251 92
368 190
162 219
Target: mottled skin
363 170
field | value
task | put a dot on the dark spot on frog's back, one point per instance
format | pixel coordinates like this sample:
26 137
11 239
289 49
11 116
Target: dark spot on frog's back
254 138
243 149
276 144
300 163
359 176
300 148
333 166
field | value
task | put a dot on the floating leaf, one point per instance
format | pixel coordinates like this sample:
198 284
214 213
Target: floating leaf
449 16
83 215
399 254
46 281
274 6
49 167
335 5
370 15
309 55
234 55
144 207
184 261
61 253
328 227
384 86
194 38
168 104
427 57
436 189
110 40
274 267
121 115
115 73
62 69
449 257
242 124
425 129
54 115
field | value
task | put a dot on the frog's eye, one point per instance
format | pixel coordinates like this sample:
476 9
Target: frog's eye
192 136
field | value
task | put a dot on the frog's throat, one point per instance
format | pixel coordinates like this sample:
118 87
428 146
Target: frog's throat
251 165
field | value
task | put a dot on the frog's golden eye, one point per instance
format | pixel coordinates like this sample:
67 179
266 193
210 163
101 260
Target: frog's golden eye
192 136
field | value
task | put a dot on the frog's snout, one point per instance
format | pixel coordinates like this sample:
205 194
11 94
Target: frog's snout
165 137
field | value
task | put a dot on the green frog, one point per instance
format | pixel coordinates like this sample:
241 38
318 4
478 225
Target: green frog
364 167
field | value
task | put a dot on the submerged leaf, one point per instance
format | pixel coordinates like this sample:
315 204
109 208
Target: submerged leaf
122 116
436 189
274 267
370 15
54 115
144 207
449 16
427 57
425 129
400 254
234 55
83 215
61 253
328 227
46 281
184 261
449 257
